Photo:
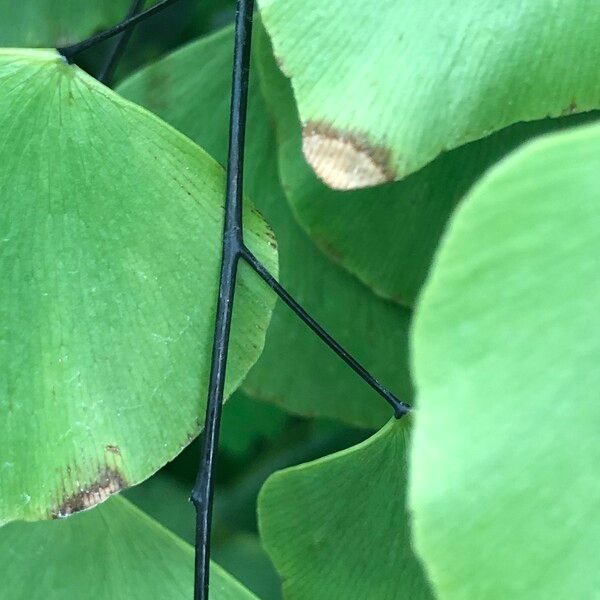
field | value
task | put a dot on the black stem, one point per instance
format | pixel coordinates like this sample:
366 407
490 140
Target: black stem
203 492
233 249
112 60
400 408
69 52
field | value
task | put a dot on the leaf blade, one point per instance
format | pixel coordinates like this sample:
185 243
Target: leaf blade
381 100
296 370
495 466
111 233
58 23
113 551
347 518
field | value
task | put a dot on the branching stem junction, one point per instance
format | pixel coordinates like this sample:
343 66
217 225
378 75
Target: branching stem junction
233 249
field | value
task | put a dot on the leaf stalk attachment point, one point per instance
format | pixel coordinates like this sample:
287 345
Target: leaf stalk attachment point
232 250
70 52
400 408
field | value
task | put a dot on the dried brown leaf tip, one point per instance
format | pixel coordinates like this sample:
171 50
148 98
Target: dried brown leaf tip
345 161
109 482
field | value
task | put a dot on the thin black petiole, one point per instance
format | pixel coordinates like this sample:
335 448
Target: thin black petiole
400 408
70 52
112 60
203 492
233 249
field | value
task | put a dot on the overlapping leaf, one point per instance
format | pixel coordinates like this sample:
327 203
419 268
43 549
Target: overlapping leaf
113 551
243 556
296 370
109 258
386 235
382 90
56 22
338 527
247 423
504 480
165 498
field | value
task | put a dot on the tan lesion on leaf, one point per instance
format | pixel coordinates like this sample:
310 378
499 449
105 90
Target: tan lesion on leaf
345 161
109 482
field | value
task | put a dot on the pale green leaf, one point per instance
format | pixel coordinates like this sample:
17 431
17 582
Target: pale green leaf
383 89
110 240
296 370
114 551
338 527
505 490
387 235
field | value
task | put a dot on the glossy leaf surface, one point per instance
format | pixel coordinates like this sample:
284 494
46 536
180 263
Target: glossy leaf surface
110 242
505 491
383 90
113 551
296 370
338 527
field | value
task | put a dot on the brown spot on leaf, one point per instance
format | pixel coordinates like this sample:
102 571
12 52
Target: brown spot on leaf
113 449
271 239
345 161
109 482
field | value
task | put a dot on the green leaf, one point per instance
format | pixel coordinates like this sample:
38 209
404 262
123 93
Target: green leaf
387 235
338 527
166 499
381 92
235 502
110 241
113 551
50 23
504 473
244 557
247 423
296 370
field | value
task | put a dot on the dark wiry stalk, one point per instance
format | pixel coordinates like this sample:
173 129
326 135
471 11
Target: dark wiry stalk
112 60
70 52
400 408
232 250
202 494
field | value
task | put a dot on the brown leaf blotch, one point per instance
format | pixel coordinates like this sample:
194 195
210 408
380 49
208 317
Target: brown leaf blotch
343 160
109 482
